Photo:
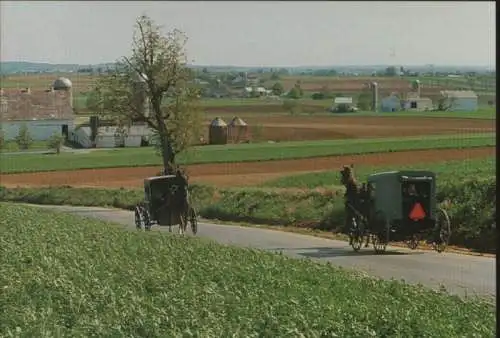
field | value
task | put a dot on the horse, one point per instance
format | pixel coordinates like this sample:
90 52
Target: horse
355 197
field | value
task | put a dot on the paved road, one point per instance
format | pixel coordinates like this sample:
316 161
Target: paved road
460 274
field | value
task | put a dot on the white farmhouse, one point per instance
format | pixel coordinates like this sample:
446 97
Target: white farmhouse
459 100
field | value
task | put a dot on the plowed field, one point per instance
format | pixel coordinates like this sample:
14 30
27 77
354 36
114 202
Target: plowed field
298 128
237 174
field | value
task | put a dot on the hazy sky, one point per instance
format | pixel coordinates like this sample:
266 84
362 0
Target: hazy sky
257 33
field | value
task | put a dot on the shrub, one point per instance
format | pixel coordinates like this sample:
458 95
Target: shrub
55 142
23 139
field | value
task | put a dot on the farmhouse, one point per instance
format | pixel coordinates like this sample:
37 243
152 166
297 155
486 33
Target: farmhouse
391 103
257 91
44 113
343 104
417 104
458 100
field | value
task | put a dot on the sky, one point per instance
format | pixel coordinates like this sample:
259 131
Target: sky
257 33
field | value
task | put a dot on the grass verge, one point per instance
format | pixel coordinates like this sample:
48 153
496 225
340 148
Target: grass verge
68 276
238 153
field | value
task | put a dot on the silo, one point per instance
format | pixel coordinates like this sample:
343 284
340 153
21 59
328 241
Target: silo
237 130
415 85
64 85
374 88
217 132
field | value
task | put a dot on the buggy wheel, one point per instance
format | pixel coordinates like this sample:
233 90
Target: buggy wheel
443 230
412 243
381 236
355 235
193 220
147 220
139 220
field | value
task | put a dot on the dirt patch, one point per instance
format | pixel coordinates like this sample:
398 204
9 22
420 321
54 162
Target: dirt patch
237 174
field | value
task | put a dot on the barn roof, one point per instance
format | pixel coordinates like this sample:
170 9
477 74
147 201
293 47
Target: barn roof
40 105
343 100
237 122
459 93
218 122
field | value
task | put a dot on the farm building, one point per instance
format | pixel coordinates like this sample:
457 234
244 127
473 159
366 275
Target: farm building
257 91
111 136
458 100
417 104
217 132
238 130
391 103
44 113
342 104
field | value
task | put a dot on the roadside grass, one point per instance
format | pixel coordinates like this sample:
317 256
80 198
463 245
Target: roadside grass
134 157
63 275
466 190
446 172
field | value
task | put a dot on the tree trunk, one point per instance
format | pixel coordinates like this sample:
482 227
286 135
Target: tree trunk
168 155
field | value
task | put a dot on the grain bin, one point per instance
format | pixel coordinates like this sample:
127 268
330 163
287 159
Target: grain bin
217 132
237 130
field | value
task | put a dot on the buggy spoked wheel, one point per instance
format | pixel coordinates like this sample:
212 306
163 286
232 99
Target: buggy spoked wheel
355 235
379 243
443 230
413 242
381 236
147 220
193 220
139 220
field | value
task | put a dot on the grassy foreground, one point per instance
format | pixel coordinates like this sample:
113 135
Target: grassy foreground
239 153
62 275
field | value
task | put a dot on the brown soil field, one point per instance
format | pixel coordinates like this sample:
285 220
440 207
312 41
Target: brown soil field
297 128
237 174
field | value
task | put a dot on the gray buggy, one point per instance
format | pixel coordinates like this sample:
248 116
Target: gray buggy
398 206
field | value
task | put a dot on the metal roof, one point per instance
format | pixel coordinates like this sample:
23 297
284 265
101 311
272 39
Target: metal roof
62 83
459 93
343 100
218 122
236 121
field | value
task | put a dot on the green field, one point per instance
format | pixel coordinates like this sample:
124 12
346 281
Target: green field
446 172
127 157
62 275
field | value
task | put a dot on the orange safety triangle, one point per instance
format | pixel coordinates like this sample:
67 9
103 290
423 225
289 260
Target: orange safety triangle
417 213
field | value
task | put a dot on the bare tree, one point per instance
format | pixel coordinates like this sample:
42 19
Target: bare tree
153 85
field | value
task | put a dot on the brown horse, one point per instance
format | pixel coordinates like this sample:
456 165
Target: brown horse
354 196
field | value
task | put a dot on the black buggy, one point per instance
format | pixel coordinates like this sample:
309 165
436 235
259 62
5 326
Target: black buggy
398 206
166 203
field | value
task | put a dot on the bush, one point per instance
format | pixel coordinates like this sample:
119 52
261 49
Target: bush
23 139
2 139
56 142
69 276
